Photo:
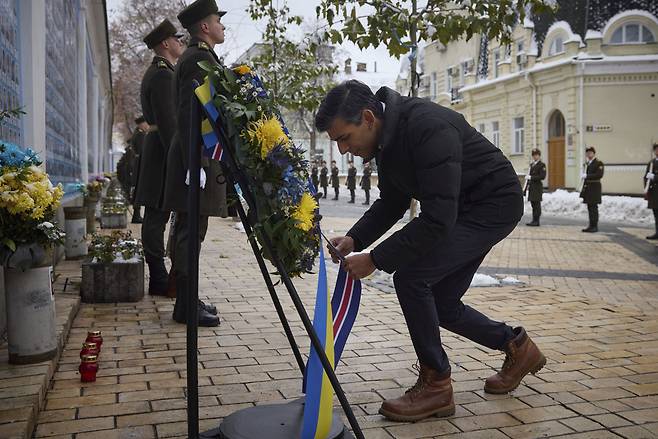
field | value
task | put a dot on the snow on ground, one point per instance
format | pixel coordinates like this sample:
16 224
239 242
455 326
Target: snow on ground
479 280
614 209
239 226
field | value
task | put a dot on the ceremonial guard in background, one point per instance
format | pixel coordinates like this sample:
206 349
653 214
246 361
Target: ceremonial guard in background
137 144
535 186
365 182
335 182
324 178
351 181
651 188
591 192
158 106
314 176
203 21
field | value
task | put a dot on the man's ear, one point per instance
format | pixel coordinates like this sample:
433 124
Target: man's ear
368 117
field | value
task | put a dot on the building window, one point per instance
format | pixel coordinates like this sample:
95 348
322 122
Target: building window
433 87
496 60
632 33
449 79
556 47
495 134
481 128
517 126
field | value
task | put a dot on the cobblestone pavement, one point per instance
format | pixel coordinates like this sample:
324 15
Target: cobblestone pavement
590 302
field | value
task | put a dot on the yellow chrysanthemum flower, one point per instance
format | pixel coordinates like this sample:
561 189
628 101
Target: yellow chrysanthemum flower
267 133
305 212
242 70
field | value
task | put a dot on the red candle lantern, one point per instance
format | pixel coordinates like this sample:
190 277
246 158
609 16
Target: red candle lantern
95 337
89 348
88 368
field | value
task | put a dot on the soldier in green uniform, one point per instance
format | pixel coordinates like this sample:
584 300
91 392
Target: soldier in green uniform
324 179
159 111
123 170
535 186
136 144
651 188
314 175
335 182
351 181
365 182
203 21
591 193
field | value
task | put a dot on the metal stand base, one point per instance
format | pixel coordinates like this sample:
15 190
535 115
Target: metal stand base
274 421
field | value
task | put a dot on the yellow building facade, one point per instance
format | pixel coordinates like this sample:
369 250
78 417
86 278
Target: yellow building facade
600 92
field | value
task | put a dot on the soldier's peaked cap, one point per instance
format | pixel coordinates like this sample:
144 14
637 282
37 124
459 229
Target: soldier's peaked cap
161 32
197 11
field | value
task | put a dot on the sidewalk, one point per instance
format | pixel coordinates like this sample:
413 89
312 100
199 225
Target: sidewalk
601 379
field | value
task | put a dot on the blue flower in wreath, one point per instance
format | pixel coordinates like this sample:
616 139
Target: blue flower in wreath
293 188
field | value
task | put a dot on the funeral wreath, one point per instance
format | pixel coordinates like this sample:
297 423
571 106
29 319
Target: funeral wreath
276 168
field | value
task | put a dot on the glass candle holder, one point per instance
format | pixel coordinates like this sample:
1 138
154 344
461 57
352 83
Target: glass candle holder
95 337
88 368
89 348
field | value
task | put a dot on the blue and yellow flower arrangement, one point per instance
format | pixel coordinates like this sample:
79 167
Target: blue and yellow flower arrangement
277 170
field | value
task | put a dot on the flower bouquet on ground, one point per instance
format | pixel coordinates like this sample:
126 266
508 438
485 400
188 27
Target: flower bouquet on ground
28 202
114 269
276 168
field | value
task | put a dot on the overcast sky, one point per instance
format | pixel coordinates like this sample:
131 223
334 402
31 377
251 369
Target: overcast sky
242 32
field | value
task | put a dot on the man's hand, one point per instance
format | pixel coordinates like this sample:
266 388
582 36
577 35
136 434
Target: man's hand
344 245
583 175
527 177
359 266
650 175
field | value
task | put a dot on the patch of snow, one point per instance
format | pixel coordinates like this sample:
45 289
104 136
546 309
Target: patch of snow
528 23
616 209
239 226
484 280
509 280
593 34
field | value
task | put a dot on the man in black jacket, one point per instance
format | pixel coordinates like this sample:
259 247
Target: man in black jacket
651 189
591 192
351 181
470 199
535 186
158 106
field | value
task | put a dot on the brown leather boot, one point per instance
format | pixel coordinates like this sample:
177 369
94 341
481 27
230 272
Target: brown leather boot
431 395
522 357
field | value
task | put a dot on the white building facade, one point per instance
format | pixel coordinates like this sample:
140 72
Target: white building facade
560 92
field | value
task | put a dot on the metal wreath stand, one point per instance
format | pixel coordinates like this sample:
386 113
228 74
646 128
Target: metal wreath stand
279 421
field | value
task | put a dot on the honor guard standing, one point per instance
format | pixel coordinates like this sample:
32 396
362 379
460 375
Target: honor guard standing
351 181
535 186
137 144
324 178
365 182
202 19
651 188
314 175
159 111
591 193
335 182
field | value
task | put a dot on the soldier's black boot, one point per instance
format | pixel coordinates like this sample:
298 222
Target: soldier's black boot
655 235
158 278
137 215
534 222
205 318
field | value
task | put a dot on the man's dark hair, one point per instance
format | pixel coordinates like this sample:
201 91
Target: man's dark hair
347 101
655 145
536 151
590 148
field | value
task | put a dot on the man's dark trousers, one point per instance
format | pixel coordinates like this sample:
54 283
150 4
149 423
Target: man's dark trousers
153 228
536 210
431 288
593 212
182 238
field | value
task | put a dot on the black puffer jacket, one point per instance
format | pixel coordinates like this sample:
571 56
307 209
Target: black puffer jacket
432 154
